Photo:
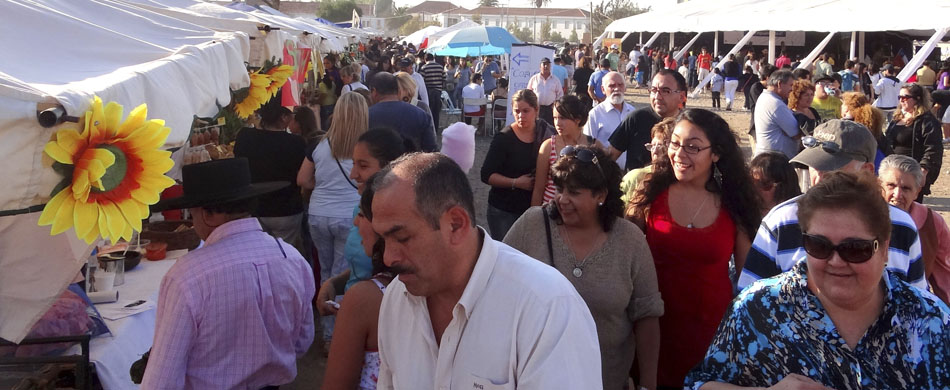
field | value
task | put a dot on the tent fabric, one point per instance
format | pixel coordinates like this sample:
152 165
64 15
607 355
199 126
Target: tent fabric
783 15
474 41
448 30
120 52
417 37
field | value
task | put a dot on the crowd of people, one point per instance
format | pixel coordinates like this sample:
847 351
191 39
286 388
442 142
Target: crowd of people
624 248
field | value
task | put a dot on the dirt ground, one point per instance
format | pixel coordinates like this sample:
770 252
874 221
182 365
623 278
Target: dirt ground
313 364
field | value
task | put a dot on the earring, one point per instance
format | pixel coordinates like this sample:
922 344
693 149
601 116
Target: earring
600 203
717 176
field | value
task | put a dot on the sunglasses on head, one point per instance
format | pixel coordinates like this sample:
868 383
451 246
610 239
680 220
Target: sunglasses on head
827 146
584 155
850 250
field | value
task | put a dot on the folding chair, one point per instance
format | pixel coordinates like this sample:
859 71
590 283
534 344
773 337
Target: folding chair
480 101
498 106
449 109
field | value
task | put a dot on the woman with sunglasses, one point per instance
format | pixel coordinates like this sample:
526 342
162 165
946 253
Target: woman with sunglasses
700 193
606 258
570 116
838 319
510 163
915 131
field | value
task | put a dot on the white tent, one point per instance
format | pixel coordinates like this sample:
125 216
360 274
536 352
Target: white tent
417 37
63 52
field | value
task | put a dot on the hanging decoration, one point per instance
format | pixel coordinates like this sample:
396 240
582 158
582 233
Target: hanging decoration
112 171
265 82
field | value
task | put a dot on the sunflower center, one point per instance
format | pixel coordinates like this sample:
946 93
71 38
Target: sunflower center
115 173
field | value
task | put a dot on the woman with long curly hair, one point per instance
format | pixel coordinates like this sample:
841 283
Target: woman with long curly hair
799 101
698 208
857 107
914 131
582 235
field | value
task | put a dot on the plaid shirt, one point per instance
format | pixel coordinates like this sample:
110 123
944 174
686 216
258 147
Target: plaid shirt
234 314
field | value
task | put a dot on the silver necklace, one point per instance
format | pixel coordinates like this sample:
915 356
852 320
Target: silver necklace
578 268
690 224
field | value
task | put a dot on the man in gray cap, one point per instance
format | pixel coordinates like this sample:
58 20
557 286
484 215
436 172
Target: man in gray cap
836 145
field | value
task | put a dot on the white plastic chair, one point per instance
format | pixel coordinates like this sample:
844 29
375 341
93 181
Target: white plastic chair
480 101
502 105
449 109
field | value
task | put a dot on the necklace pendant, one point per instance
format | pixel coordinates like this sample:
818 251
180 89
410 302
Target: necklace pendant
689 226
578 272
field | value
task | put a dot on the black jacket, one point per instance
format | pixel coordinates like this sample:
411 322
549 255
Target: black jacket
927 146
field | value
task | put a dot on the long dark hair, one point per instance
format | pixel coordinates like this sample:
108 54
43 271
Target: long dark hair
366 209
385 144
737 192
603 176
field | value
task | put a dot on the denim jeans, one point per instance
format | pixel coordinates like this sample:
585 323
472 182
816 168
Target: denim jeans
500 221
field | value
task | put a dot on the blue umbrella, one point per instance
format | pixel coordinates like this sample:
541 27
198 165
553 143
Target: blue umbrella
474 41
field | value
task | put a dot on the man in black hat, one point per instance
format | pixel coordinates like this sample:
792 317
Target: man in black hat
235 313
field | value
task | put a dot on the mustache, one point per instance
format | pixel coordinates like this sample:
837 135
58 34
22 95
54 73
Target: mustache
399 269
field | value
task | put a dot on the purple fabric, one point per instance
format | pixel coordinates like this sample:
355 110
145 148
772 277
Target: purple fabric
233 314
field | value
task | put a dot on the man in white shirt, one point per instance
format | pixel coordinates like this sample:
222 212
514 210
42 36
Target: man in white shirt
548 88
776 128
634 62
468 312
887 89
604 118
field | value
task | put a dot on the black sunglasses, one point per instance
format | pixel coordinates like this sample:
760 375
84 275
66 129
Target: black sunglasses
827 146
851 250
584 155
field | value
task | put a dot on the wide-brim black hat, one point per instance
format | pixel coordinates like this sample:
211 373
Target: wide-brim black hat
216 182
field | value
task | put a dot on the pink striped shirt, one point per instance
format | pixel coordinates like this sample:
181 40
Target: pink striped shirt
234 314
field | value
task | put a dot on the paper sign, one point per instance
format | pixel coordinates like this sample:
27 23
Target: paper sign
524 62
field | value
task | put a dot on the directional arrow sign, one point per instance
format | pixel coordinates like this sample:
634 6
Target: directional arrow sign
519 58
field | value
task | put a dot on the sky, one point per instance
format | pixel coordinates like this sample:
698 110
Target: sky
553 4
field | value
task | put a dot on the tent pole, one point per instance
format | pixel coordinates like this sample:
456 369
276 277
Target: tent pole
672 38
854 44
772 46
716 45
735 49
861 46
641 38
683 51
921 55
650 42
624 38
806 62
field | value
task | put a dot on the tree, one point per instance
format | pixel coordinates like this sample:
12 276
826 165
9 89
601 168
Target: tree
609 10
338 10
415 24
574 37
546 30
384 8
398 19
522 33
487 3
557 37
477 18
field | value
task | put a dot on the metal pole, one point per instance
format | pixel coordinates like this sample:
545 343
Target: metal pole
641 38
590 27
771 47
861 46
716 45
854 44
672 37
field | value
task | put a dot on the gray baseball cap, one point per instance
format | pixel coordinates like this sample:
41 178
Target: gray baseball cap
836 143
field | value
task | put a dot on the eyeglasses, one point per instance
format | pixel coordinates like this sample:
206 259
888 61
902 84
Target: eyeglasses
584 155
662 91
905 97
827 146
690 149
851 250
653 147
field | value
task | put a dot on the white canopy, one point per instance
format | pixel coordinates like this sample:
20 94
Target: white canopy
784 15
417 37
65 52
455 27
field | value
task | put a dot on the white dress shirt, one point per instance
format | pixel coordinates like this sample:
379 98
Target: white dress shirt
518 325
603 119
548 89
421 87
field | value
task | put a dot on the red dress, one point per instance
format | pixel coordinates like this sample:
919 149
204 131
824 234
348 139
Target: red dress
692 269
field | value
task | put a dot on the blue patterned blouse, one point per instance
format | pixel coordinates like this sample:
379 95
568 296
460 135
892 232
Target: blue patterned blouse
777 327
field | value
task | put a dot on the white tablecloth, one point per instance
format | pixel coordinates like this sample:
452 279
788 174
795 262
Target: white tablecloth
131 336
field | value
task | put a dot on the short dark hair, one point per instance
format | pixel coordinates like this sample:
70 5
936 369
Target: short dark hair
680 80
839 190
476 77
802 74
438 183
604 176
571 107
272 111
236 207
384 83
766 70
384 144
429 57
774 168
605 63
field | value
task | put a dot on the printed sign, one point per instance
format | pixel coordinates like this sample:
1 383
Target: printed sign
524 62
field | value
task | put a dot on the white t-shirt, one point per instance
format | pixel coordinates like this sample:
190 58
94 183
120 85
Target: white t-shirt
472 91
333 195
354 86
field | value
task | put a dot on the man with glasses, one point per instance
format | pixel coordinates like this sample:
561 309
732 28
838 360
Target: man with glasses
667 99
837 145
604 118
775 126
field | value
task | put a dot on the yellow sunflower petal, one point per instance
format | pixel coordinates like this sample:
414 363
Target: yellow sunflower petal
57 152
92 236
95 119
64 216
110 119
159 166
102 225
150 136
135 120
145 195
131 213
80 187
85 217
155 183
113 217
53 206
96 171
70 140
143 208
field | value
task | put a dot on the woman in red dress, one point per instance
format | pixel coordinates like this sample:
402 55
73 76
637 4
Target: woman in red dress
698 209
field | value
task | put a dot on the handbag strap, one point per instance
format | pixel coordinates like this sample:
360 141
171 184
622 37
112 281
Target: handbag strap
345 176
547 229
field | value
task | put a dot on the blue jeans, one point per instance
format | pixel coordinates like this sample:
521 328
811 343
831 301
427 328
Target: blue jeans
500 221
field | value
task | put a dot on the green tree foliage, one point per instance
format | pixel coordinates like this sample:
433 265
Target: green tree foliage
487 3
522 33
384 8
338 10
573 37
546 30
609 10
414 24
477 18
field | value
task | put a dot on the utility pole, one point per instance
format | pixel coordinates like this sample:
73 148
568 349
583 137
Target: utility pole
590 25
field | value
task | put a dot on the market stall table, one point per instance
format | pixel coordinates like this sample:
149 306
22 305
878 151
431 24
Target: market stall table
131 336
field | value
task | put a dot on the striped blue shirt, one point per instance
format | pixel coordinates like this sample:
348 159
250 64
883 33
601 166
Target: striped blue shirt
778 247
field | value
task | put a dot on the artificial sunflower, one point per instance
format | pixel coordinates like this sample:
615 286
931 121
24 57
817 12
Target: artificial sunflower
112 170
279 76
256 95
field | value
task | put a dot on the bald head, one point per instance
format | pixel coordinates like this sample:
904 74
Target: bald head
614 87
